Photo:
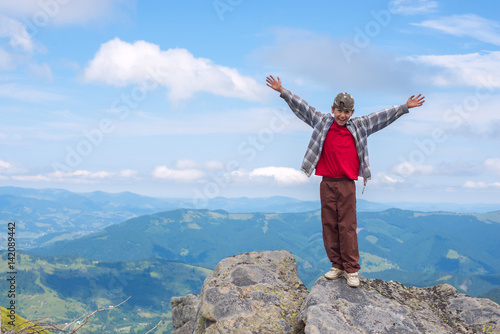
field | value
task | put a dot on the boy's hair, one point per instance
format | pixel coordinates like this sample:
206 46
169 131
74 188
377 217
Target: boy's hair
344 101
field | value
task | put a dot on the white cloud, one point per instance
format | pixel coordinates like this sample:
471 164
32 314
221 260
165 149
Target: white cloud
22 47
128 174
462 168
191 164
77 176
448 168
16 32
32 178
493 165
281 175
4 164
8 168
470 113
408 168
11 136
14 91
187 171
85 174
41 71
412 7
39 14
469 25
473 69
475 185
481 185
314 60
6 61
384 180
178 175
351 63
120 63
214 165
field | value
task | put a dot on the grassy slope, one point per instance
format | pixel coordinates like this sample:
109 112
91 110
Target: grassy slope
65 289
20 323
420 248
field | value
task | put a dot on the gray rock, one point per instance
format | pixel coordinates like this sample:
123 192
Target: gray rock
184 311
258 292
389 307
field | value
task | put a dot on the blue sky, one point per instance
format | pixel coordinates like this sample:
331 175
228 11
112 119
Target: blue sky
168 98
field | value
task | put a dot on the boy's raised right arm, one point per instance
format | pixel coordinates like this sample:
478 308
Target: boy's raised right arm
300 107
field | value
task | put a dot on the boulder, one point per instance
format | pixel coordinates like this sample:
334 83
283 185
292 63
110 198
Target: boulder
184 311
258 292
390 307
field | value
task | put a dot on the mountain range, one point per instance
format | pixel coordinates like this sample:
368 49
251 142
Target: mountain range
80 251
460 249
49 215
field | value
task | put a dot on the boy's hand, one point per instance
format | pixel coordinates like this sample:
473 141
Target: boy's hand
274 84
415 101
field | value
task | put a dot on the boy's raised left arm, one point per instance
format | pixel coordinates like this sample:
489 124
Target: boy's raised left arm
378 120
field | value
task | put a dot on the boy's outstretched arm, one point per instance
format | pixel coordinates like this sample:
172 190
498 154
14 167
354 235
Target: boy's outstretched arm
274 84
415 101
299 107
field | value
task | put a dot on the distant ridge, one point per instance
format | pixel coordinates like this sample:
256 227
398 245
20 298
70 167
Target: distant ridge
140 204
418 248
50 215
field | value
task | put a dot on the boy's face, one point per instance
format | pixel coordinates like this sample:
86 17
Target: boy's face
341 115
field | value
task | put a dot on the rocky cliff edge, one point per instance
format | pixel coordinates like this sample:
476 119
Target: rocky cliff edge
260 293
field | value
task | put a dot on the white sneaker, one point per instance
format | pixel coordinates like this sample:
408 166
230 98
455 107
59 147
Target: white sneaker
352 279
334 273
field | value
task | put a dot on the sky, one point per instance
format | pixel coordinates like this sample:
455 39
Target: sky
169 98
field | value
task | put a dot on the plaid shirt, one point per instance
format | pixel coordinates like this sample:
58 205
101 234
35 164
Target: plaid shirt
359 127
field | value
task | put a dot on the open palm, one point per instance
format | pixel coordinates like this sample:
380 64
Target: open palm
273 83
415 101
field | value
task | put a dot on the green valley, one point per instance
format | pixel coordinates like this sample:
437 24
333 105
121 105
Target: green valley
64 290
87 252
417 248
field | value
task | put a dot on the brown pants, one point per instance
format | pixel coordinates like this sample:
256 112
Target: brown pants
338 217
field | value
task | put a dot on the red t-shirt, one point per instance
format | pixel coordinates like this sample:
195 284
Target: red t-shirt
339 157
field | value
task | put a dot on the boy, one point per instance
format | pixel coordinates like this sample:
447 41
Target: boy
338 151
